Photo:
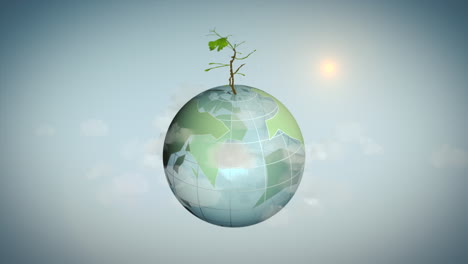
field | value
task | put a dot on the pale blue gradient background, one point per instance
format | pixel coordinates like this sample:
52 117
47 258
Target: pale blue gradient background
402 80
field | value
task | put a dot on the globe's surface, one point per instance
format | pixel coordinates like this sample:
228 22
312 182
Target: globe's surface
234 160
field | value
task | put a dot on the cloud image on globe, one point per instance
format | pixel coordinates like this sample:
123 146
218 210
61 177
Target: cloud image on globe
234 160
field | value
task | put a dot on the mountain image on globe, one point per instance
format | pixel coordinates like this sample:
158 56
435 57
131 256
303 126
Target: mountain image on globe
234 160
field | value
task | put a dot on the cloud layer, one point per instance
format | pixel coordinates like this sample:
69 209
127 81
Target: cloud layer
45 130
346 134
125 186
94 128
447 156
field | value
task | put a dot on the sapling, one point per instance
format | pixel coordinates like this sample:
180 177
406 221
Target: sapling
220 44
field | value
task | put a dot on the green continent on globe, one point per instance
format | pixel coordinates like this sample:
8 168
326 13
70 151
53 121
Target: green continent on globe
189 121
201 147
283 120
278 171
234 160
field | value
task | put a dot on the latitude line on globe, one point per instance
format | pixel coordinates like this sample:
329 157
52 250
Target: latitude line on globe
285 158
249 99
204 206
258 117
280 133
237 190
198 104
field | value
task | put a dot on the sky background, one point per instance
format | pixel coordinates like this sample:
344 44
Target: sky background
87 92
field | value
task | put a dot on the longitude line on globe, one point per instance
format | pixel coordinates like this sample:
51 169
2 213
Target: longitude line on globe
230 170
173 178
290 162
263 157
198 197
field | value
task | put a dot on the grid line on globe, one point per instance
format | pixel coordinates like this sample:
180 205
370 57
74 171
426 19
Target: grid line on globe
263 154
234 160
230 172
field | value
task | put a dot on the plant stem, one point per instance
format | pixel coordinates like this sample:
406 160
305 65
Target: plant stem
231 78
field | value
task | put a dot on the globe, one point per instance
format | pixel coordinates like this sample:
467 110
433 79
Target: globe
233 160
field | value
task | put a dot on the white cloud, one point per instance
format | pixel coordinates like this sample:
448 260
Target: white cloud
346 134
126 186
328 150
162 122
131 150
152 156
229 155
152 161
99 171
353 133
179 98
147 154
370 147
184 93
45 130
94 128
311 201
449 157
153 148
130 184
349 132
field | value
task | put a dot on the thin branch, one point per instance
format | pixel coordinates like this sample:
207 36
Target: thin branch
231 77
246 56
217 34
230 45
216 67
233 57
238 44
239 68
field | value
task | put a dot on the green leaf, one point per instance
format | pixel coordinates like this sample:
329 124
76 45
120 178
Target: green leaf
240 74
219 43
216 63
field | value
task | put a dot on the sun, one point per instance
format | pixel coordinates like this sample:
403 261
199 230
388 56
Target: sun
328 68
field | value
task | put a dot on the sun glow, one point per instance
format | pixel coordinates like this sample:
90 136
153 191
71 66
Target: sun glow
328 69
